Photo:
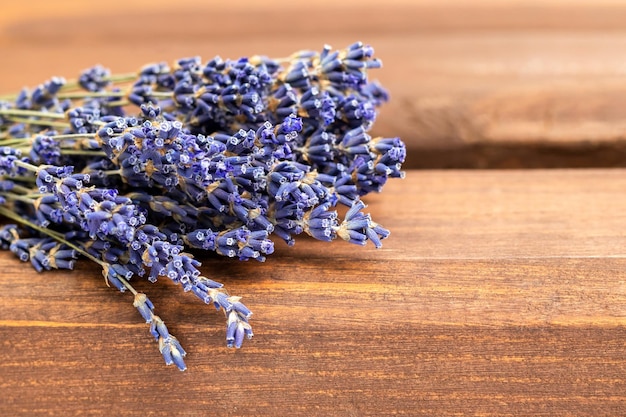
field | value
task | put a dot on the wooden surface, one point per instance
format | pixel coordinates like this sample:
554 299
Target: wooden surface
499 293
490 83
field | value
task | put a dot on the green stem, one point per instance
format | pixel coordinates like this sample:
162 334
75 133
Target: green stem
16 197
37 122
16 142
36 195
86 152
21 178
24 190
74 136
108 94
90 94
161 94
26 165
36 113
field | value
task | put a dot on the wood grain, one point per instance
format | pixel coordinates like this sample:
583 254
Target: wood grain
473 84
498 293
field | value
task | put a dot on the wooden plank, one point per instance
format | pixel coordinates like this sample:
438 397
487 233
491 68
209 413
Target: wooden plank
474 84
498 293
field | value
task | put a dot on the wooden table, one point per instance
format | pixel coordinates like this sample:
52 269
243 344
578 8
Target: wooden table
499 292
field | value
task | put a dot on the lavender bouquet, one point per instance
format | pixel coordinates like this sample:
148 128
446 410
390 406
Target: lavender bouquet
130 171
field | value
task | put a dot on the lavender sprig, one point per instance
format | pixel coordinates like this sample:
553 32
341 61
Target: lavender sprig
132 170
117 223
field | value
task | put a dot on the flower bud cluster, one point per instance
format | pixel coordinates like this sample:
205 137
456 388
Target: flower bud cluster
131 171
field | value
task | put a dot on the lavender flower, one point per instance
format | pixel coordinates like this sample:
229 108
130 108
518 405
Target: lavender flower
132 170
172 351
95 78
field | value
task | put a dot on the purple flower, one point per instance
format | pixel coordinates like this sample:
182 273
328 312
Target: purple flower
144 306
94 78
45 150
321 223
172 352
43 253
237 329
169 346
358 227
44 96
224 156
9 233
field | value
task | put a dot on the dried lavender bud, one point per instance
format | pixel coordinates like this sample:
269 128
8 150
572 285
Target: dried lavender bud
131 170
95 78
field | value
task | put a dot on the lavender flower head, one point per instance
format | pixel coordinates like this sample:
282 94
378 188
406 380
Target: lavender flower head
134 171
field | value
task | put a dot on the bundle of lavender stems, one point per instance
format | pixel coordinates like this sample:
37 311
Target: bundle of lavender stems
131 171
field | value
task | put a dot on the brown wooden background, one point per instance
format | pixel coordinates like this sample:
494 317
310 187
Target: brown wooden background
499 293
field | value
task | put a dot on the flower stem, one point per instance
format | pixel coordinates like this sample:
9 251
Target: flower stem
37 122
74 136
115 78
16 197
36 113
16 142
91 94
26 165
86 152
59 238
